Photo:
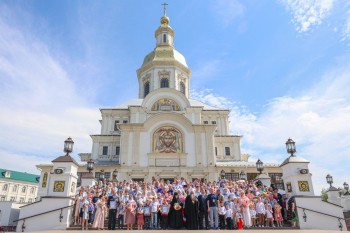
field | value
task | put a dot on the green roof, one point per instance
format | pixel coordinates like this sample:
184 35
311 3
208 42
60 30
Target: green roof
22 176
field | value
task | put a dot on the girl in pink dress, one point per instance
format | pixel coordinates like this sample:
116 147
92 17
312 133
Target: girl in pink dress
278 215
140 217
100 214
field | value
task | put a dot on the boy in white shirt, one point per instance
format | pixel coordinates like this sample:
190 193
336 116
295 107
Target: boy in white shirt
228 216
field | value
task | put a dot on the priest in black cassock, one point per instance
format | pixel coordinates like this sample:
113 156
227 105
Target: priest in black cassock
191 212
175 213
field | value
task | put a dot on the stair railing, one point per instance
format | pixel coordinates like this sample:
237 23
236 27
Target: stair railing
60 217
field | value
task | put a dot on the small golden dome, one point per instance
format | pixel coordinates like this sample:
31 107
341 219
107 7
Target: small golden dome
164 20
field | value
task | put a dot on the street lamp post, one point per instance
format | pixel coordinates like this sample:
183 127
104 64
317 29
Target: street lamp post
290 145
90 165
329 179
223 174
115 174
242 175
259 166
68 146
102 174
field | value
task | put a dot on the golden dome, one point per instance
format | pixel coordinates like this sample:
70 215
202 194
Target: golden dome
164 20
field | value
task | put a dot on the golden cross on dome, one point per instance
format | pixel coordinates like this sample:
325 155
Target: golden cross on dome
164 4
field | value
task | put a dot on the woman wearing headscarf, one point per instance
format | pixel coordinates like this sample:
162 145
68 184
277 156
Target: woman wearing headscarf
175 212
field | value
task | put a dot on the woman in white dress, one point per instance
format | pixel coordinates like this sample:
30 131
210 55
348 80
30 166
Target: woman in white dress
245 202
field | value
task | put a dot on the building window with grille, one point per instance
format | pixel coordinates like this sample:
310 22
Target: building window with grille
205 122
146 89
117 150
182 88
32 191
232 176
24 189
164 83
5 187
213 122
227 151
276 178
105 150
21 200
14 188
13 199
107 175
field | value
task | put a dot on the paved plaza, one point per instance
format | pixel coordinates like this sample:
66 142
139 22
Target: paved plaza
209 231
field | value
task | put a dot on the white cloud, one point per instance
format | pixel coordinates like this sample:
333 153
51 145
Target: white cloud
317 119
308 13
228 10
346 28
40 104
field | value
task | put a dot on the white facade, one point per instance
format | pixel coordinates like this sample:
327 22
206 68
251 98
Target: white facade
164 133
18 186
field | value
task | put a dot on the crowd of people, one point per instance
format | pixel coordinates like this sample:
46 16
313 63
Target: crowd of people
193 205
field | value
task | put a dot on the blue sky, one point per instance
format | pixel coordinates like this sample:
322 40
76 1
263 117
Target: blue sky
282 66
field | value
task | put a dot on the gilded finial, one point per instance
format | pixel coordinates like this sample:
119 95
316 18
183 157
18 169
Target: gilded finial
164 5
164 19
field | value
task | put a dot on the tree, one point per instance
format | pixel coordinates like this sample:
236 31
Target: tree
324 195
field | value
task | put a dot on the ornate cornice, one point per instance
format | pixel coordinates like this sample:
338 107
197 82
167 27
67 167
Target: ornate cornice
146 78
164 63
164 74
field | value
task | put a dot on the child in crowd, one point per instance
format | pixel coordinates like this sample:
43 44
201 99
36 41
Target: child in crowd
278 215
147 214
222 212
154 213
253 214
120 215
140 216
269 216
91 209
228 216
239 218
164 211
260 210
85 217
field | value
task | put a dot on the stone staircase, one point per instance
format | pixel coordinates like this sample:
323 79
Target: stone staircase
286 226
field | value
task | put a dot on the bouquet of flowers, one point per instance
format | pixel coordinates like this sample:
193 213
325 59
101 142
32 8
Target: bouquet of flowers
177 206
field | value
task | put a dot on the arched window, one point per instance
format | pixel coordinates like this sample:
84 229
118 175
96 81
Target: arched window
146 89
14 189
164 83
5 187
164 38
32 191
24 189
182 88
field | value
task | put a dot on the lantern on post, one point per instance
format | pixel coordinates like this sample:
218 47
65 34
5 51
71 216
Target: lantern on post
68 146
259 166
242 175
223 174
90 165
290 145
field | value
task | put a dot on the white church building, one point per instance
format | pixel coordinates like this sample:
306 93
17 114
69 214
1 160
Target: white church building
164 133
